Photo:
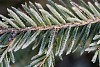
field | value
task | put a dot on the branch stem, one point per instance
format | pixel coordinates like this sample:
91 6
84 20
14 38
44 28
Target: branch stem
71 24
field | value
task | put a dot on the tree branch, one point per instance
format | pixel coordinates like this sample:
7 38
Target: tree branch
71 24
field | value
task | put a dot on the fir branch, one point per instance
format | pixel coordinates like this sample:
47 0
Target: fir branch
96 20
63 24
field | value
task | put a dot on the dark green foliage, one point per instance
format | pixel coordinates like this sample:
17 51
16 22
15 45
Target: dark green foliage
66 28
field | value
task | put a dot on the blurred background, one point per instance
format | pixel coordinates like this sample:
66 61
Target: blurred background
72 60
